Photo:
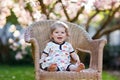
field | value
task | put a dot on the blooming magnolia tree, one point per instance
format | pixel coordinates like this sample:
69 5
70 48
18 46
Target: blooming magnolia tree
102 15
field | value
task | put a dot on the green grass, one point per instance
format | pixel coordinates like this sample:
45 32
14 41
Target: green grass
107 76
16 73
27 73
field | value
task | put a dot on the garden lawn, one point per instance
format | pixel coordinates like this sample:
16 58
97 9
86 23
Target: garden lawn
16 73
27 73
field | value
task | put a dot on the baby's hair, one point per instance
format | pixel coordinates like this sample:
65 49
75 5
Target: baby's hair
59 24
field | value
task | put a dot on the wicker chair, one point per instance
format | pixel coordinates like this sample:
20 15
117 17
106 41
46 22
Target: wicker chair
38 35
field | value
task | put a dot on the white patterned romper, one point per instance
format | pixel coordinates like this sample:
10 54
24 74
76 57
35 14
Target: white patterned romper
59 54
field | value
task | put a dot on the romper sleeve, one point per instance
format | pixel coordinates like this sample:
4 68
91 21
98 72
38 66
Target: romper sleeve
47 49
71 50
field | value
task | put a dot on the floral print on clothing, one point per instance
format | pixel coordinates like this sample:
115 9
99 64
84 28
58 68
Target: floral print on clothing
59 54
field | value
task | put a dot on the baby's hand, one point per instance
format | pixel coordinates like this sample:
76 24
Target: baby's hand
78 63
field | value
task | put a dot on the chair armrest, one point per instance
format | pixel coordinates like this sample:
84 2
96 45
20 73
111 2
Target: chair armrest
35 48
96 48
36 56
83 50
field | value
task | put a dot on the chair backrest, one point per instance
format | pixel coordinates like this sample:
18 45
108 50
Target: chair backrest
40 30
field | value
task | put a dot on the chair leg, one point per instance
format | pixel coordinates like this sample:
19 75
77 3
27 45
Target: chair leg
99 77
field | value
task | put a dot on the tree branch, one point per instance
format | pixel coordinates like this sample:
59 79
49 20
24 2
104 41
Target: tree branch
43 8
89 20
78 13
110 16
51 9
65 11
109 30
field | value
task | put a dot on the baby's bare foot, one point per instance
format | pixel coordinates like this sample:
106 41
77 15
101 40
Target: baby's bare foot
52 67
81 66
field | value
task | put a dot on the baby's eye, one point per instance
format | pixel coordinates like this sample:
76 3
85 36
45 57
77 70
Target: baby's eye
62 32
56 32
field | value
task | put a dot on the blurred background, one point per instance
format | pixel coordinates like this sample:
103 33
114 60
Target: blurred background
100 18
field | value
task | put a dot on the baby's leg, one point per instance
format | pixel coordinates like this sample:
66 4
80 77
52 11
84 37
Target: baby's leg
71 67
52 67
80 66
77 68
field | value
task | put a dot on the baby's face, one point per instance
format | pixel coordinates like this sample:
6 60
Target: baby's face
59 35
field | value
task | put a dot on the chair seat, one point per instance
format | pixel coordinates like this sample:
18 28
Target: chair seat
66 75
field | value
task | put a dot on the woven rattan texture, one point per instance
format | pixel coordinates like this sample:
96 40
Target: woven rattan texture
38 35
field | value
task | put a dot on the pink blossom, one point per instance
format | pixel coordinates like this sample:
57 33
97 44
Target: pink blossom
18 56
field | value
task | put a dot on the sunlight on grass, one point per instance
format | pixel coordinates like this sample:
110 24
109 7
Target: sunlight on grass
27 73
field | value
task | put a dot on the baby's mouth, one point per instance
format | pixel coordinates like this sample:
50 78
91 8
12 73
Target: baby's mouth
59 37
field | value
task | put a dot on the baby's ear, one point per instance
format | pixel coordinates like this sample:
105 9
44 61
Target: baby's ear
51 37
